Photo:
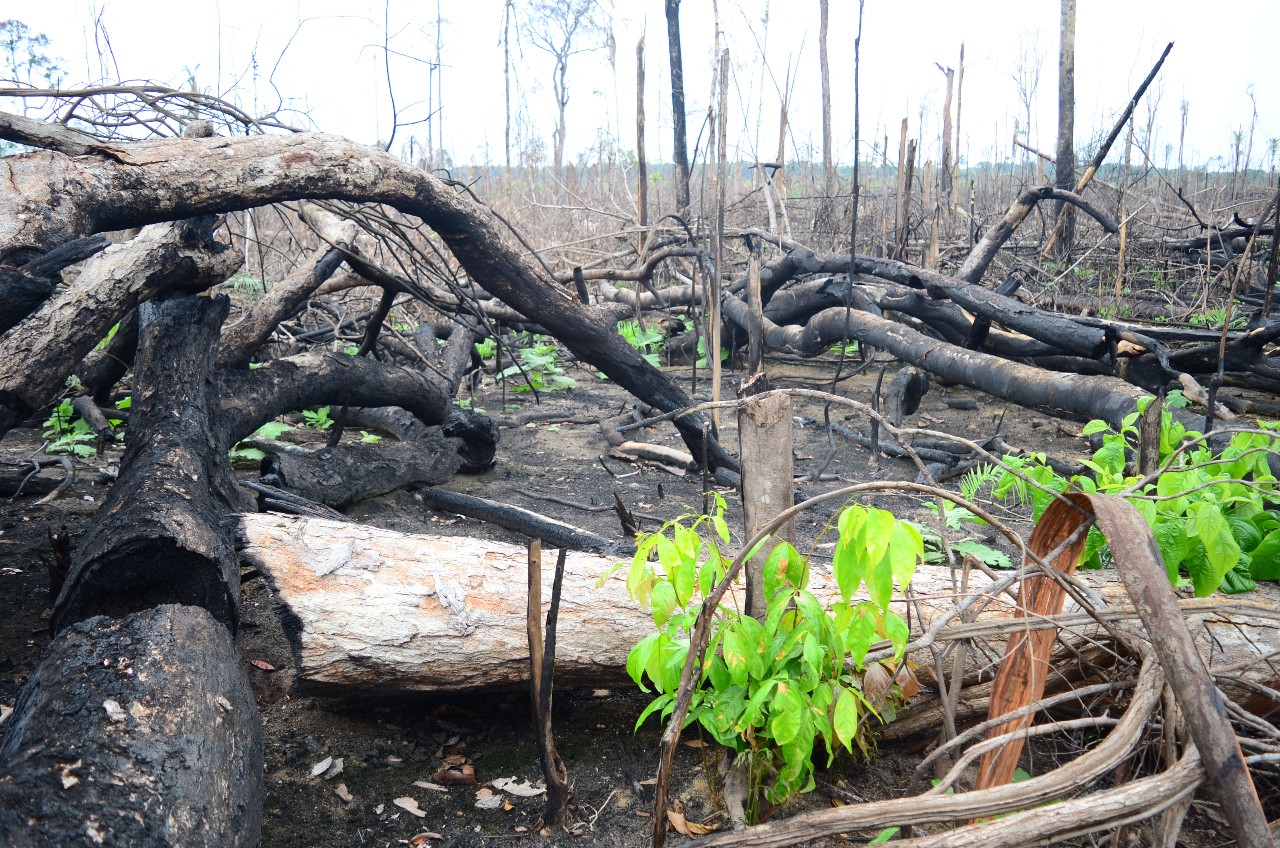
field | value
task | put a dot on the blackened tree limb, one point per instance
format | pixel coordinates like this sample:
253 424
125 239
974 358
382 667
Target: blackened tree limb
135 731
129 185
1069 395
37 356
158 538
22 290
1100 156
984 252
243 339
347 473
250 398
103 368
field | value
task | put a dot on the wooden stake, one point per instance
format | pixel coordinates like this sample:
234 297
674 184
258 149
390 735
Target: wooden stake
542 660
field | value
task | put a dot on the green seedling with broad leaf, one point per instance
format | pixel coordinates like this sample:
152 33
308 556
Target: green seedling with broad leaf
246 455
541 369
648 341
68 433
318 419
775 689
1214 517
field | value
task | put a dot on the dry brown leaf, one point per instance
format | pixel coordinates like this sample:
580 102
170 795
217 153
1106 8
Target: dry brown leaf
463 775
425 836
434 787
342 792
676 819
262 664
694 743
410 806
696 829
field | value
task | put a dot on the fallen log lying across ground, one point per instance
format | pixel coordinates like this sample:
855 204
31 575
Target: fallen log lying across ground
372 610
139 725
135 731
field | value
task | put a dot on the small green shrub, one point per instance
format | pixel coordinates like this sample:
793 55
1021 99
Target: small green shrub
648 341
775 689
1217 518
68 433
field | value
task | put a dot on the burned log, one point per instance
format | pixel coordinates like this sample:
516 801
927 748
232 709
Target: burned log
36 357
347 473
135 731
22 290
103 368
158 537
250 398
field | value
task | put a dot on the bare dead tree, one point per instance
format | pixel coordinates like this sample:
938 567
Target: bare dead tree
828 172
1065 165
680 153
1026 78
563 29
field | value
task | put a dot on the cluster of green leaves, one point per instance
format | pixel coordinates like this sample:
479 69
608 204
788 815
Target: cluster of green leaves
68 433
541 368
957 518
318 419
773 689
1213 318
487 348
1217 518
648 341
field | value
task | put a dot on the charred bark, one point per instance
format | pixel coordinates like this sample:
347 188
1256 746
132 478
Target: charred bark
22 290
136 731
158 538
345 474
102 369
252 398
36 358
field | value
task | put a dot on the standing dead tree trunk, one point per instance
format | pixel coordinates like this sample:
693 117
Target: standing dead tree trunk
828 169
642 167
1065 165
129 185
680 153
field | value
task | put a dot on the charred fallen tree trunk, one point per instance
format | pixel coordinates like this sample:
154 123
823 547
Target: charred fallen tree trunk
37 356
135 731
158 537
125 185
347 473
250 398
1070 395
139 725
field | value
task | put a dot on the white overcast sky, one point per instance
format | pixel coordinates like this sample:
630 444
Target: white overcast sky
333 67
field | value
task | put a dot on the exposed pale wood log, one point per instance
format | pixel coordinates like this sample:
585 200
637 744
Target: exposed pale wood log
135 731
376 610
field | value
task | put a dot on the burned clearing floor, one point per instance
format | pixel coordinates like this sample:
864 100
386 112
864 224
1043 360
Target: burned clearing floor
376 771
